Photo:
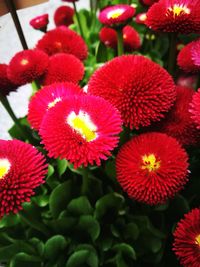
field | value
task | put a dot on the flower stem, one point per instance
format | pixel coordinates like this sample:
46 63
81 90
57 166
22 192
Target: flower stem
78 20
120 47
8 108
172 54
85 180
35 86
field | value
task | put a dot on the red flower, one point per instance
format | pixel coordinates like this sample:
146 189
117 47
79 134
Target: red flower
139 88
187 239
181 16
152 167
188 57
195 52
195 108
63 68
148 2
82 129
177 122
27 66
48 97
40 22
6 85
108 36
63 40
63 16
22 169
116 15
141 18
187 80
131 38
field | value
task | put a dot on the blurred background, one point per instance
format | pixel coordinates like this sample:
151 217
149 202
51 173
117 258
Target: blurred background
10 44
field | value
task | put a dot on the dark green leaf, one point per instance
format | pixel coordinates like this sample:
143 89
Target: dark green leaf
90 225
59 198
80 206
24 260
54 247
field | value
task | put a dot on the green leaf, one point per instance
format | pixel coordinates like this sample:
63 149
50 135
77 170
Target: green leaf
108 204
110 169
84 254
131 231
9 220
24 260
90 225
7 252
54 247
120 261
59 198
80 206
32 216
125 249
62 166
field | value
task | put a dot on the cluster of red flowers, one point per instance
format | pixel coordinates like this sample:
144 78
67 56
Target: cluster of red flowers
132 90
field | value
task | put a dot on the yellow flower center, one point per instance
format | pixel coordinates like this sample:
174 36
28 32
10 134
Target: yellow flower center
83 125
24 62
53 103
197 240
178 9
114 14
150 163
143 17
4 167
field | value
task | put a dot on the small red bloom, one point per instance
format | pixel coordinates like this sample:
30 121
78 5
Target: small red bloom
152 167
63 16
48 97
63 68
182 16
141 18
82 129
187 239
108 36
6 85
131 39
195 108
139 88
27 66
116 15
63 40
187 58
22 169
177 122
40 22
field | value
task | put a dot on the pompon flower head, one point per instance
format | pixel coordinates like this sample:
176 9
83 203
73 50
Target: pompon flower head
108 36
19 175
195 108
40 22
187 239
63 40
63 68
82 129
116 15
181 16
47 98
152 167
6 85
63 16
187 58
27 66
141 18
177 122
140 98
131 38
